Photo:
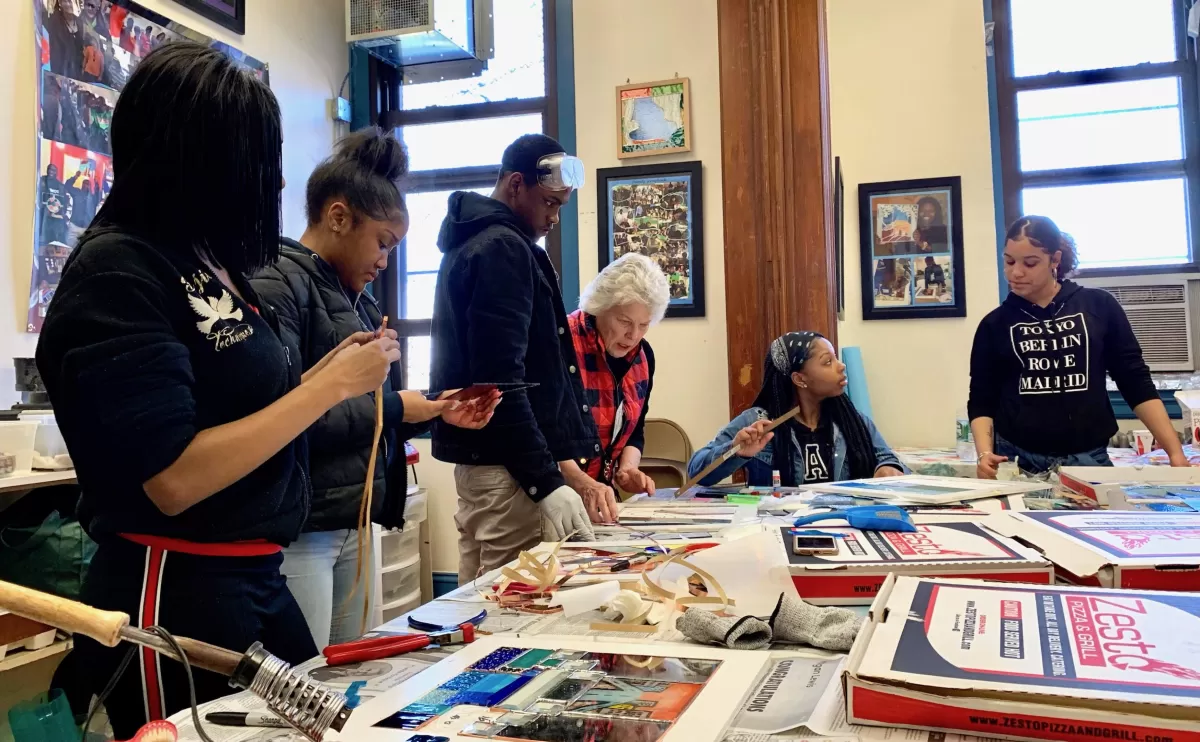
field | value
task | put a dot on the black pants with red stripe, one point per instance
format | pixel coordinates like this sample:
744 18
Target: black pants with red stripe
228 601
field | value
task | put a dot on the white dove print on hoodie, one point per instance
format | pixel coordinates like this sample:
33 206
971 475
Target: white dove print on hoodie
214 310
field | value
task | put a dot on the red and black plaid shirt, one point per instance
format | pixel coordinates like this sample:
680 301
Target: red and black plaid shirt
602 393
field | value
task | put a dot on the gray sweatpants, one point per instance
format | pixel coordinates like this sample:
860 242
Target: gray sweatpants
496 520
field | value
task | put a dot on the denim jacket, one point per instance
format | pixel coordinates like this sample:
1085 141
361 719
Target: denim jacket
758 468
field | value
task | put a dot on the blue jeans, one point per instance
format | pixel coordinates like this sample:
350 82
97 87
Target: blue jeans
1038 463
319 567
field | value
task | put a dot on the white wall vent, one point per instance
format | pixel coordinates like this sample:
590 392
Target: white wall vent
409 33
1160 313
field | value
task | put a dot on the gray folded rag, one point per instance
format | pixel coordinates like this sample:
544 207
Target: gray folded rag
793 622
746 632
797 622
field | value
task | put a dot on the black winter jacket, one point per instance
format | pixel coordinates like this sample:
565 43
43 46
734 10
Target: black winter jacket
315 315
498 316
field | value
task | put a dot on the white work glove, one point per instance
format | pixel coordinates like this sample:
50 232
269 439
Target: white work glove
562 514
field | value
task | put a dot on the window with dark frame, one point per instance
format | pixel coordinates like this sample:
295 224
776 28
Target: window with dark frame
1097 102
455 132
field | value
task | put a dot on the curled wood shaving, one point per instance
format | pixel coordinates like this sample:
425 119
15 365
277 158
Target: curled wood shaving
537 569
679 556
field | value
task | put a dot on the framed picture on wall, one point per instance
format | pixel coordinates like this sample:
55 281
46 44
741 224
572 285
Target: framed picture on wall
910 234
228 13
78 77
657 211
654 118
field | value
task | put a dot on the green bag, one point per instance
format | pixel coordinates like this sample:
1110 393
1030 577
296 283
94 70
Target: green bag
52 556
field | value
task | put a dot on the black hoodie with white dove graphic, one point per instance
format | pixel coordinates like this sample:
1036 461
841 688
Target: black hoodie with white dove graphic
1039 372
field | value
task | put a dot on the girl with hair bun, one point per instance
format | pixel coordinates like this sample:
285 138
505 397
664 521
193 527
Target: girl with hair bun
1039 362
356 217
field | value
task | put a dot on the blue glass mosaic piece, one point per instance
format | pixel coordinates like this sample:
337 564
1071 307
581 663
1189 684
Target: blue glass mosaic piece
431 709
496 659
436 696
1162 507
433 702
489 692
528 660
411 721
463 681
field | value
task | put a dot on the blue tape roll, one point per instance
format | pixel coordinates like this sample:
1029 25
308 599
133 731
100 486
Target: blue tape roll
857 376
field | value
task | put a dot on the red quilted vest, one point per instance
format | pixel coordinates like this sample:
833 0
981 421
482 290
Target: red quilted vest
598 388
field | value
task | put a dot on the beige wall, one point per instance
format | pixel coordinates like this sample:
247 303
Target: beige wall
691 386
691 382
917 369
303 41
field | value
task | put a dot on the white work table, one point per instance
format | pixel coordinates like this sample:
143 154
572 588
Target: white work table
28 480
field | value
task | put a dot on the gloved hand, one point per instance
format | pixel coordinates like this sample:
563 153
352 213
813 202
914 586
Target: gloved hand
562 514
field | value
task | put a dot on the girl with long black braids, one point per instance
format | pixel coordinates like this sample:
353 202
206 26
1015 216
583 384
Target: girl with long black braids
183 411
830 440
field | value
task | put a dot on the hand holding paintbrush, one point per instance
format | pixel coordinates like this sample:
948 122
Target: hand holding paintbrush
748 442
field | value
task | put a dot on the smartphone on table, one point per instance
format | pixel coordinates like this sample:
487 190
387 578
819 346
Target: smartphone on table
814 545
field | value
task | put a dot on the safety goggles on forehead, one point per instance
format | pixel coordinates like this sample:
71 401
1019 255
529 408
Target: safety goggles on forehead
560 172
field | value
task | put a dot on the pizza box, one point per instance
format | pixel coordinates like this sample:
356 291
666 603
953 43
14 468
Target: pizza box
1111 548
915 489
1026 662
854 575
1098 482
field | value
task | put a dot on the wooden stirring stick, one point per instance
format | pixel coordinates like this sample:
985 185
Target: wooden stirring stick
366 541
733 450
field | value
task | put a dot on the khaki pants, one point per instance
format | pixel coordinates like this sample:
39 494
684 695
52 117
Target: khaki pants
496 520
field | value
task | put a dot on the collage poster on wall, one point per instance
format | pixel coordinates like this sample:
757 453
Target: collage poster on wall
86 51
657 211
912 249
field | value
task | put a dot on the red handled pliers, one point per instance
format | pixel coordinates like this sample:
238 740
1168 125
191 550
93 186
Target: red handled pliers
390 646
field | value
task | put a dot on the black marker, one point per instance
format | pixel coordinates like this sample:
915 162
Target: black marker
236 719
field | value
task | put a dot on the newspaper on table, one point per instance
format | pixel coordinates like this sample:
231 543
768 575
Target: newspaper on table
789 696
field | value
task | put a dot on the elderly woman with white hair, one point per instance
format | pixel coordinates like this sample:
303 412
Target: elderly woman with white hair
616 366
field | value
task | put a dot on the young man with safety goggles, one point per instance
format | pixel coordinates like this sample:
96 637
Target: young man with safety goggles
498 316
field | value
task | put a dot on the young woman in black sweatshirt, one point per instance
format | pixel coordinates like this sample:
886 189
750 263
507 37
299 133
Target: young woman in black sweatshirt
1038 365
181 408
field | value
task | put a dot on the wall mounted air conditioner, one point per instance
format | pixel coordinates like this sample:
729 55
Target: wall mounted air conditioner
412 33
1160 311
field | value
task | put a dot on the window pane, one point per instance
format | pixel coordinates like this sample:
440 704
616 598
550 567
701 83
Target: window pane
418 295
1119 224
1072 35
1112 124
417 360
472 143
426 210
517 70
